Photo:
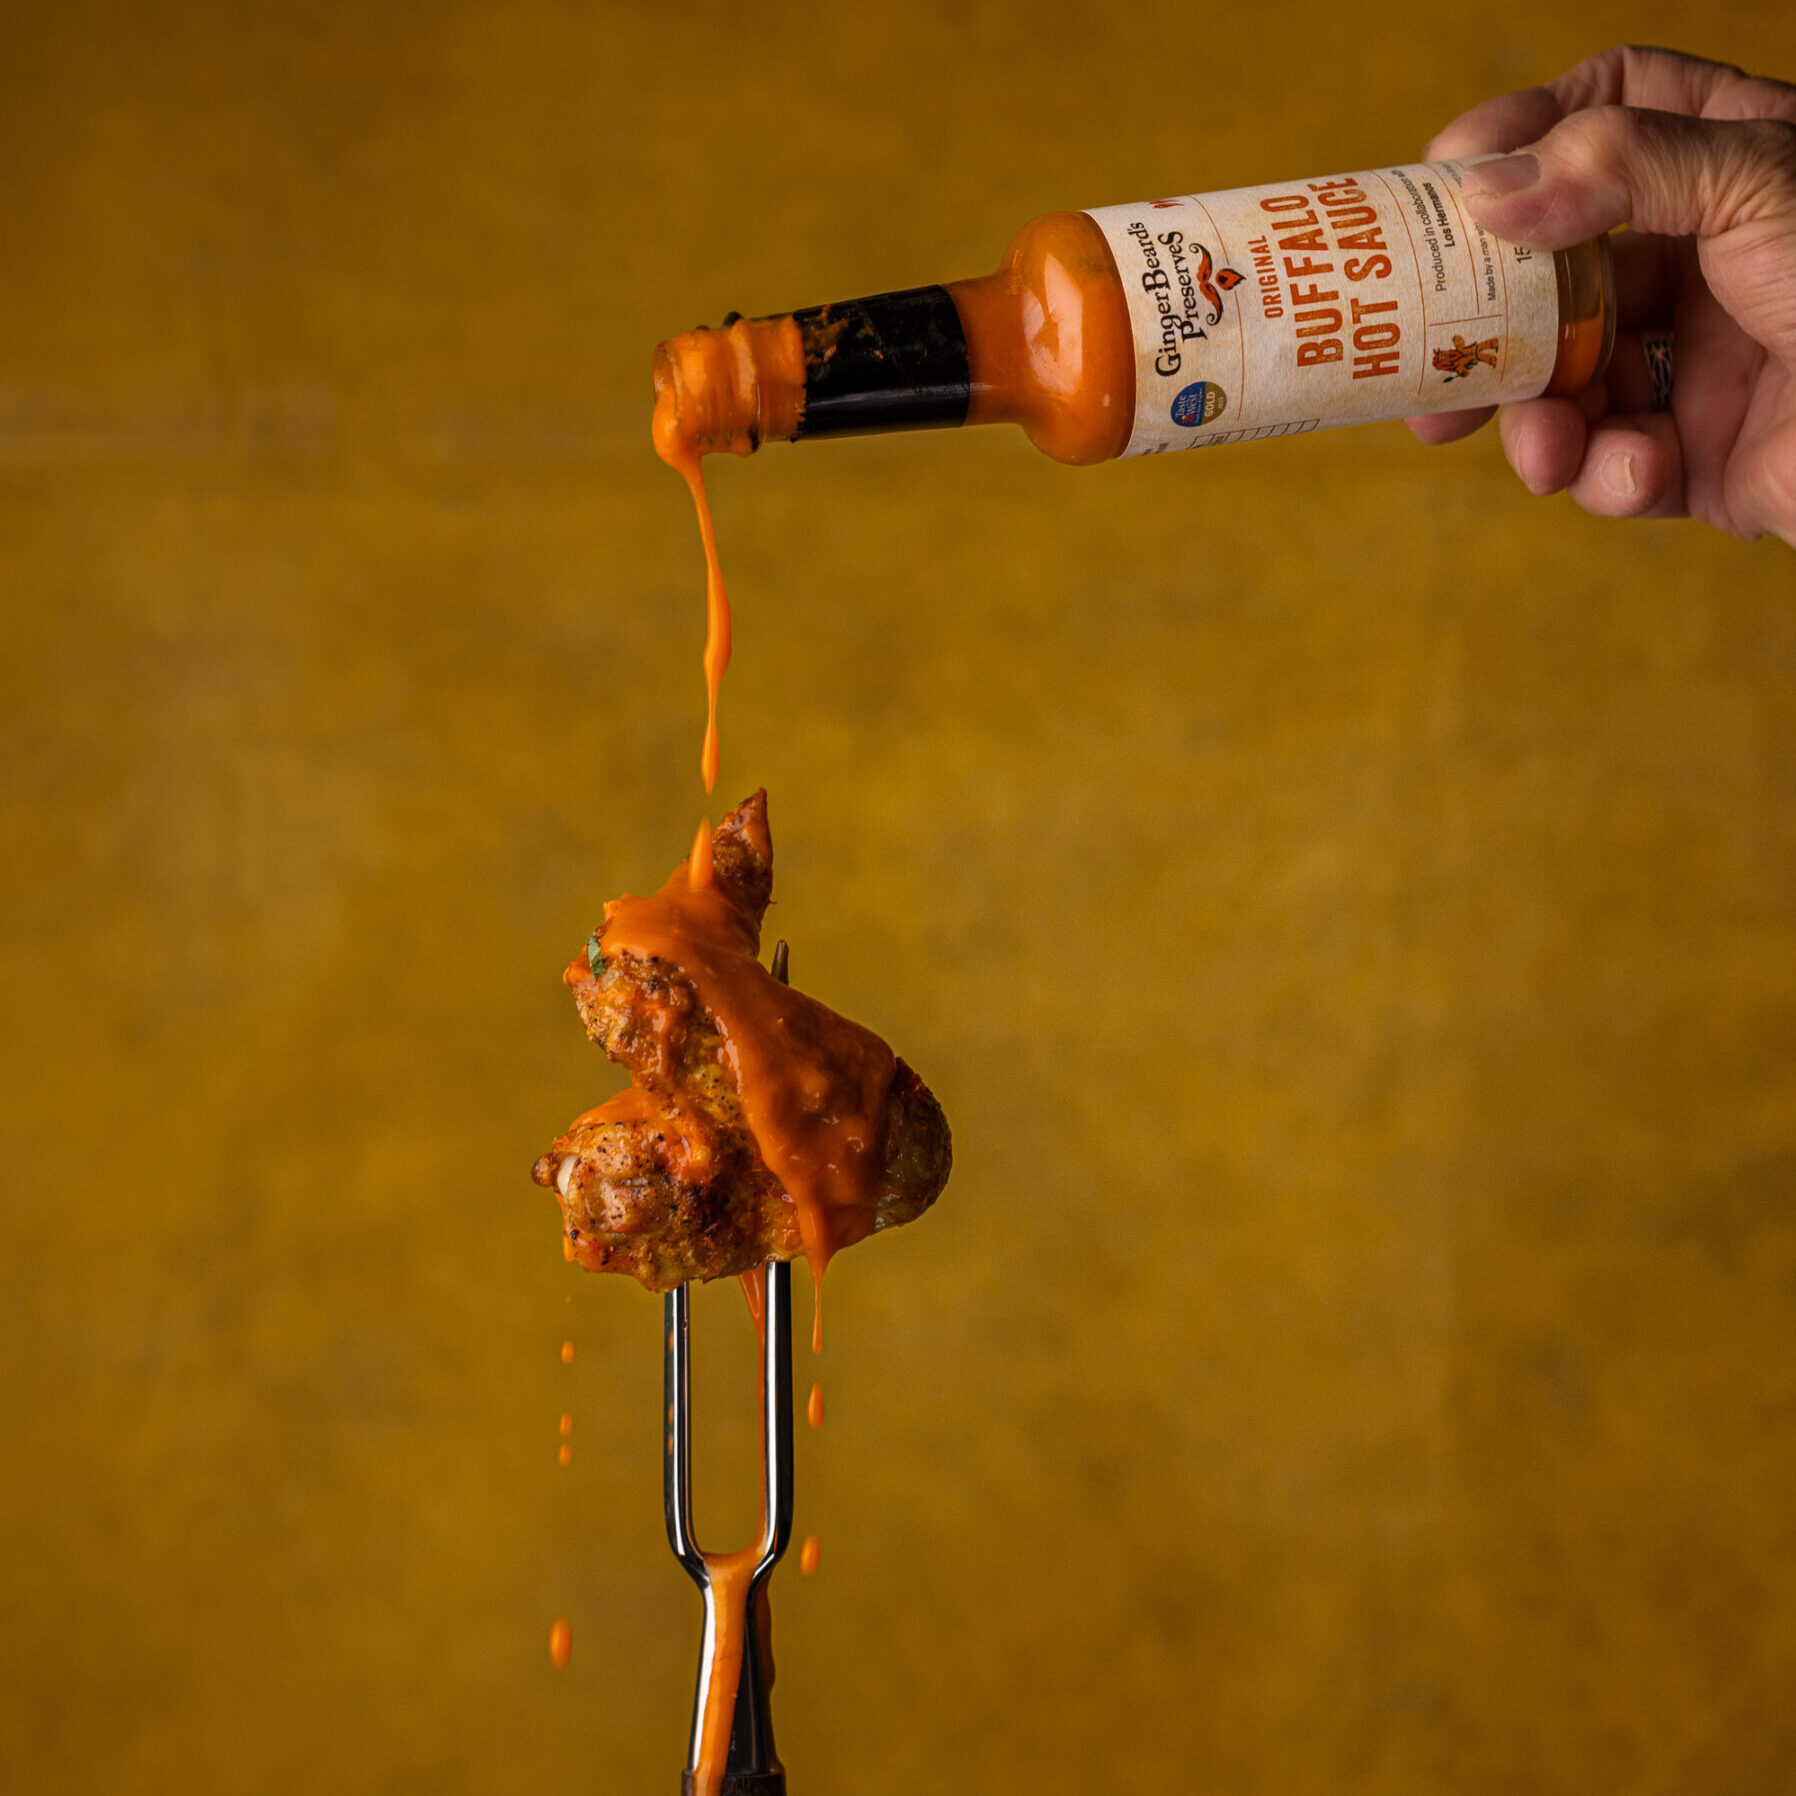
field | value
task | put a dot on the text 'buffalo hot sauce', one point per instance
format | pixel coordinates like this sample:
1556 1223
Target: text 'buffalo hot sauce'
1175 323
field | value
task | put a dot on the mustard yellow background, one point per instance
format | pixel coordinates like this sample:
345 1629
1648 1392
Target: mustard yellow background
1348 909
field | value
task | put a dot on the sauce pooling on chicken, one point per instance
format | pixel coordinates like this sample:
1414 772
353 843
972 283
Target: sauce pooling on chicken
813 1085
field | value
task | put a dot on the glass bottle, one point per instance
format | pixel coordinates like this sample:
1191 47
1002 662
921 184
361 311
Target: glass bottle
1175 323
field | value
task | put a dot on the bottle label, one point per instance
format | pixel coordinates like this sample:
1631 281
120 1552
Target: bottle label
1269 311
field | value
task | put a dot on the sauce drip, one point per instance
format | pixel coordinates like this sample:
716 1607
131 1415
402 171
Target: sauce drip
567 1353
731 1575
565 1454
684 456
561 1643
717 608
699 867
810 1555
813 1084
707 399
754 1288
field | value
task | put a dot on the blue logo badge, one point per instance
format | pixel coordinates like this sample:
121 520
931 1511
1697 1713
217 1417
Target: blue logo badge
1199 403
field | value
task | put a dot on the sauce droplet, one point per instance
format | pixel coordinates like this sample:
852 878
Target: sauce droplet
561 1643
567 1353
809 1555
700 862
567 1424
813 1410
754 1288
565 1454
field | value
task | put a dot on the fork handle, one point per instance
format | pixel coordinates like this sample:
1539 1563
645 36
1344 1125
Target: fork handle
742 1783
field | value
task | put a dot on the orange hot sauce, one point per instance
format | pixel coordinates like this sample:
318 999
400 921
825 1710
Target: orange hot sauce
732 1575
814 1086
727 373
699 870
561 1643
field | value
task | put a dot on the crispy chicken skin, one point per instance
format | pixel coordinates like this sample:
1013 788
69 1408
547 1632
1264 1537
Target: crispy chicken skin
667 1182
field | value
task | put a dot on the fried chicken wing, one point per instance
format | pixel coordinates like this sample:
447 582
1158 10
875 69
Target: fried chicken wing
759 1124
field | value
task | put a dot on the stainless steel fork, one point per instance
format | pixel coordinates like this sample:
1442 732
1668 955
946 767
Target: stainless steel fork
753 1767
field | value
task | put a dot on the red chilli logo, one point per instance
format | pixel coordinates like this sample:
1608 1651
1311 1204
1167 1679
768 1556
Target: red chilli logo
1226 278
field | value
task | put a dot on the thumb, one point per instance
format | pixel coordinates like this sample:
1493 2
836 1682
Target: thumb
1657 171
1729 182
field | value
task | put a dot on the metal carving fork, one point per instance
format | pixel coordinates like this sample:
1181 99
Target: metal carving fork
753 1767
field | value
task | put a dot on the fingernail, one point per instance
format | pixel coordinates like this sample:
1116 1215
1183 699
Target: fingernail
1618 471
1507 174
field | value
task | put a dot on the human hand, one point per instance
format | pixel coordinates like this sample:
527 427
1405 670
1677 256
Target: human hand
1699 160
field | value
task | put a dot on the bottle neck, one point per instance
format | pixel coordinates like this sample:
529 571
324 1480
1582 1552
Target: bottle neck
895 361
989 307
1044 342
727 391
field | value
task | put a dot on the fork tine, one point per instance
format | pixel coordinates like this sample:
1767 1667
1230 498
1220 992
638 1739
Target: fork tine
776 1386
677 1416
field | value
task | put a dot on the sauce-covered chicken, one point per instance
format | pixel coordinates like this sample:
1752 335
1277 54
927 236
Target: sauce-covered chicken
758 1125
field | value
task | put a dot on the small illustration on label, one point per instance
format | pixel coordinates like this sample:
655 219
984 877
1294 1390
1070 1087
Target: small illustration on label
1463 358
1199 403
1225 279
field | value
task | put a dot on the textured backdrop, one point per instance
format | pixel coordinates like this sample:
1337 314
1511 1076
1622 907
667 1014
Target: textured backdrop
1347 907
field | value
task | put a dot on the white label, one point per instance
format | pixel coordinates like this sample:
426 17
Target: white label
1268 311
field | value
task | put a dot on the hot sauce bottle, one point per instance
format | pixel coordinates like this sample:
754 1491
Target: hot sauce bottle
1175 323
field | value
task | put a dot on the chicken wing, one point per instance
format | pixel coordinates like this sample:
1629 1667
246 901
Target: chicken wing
759 1124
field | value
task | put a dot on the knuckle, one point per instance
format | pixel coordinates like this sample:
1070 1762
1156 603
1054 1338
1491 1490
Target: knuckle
1775 141
1599 146
1600 136
1754 177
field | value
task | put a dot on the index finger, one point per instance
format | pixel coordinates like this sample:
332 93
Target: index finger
1505 123
1669 81
1629 75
